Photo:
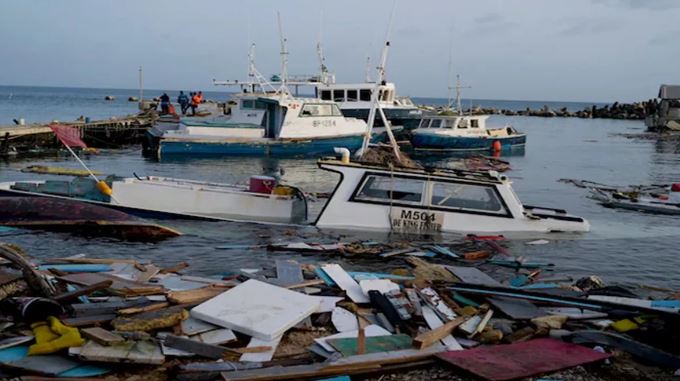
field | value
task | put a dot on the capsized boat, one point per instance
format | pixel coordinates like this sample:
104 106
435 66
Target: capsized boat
63 215
264 125
168 198
643 202
450 133
373 197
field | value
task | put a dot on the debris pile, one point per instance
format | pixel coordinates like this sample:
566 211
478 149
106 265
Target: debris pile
125 319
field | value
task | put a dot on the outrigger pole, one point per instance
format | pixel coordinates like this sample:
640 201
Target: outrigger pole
375 103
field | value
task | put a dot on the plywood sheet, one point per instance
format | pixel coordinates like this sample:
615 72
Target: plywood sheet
257 309
520 360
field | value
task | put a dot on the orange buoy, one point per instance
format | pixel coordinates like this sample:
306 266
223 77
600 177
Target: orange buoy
496 146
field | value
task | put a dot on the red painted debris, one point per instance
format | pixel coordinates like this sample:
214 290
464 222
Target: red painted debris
519 360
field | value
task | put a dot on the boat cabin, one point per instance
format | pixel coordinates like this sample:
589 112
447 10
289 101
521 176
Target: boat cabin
461 123
415 200
352 93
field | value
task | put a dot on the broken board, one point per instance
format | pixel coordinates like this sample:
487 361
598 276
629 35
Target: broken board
136 352
257 309
520 360
346 283
373 344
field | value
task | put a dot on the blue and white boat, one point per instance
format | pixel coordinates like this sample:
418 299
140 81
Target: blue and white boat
451 133
265 125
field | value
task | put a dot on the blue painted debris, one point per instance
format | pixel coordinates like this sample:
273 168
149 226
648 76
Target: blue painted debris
77 268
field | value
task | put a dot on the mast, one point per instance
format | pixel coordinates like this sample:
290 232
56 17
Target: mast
284 58
375 102
141 90
459 99
368 69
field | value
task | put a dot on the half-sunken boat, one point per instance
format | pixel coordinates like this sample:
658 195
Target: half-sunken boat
430 200
263 200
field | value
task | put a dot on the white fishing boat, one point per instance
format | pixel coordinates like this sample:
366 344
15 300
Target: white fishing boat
372 197
643 202
263 200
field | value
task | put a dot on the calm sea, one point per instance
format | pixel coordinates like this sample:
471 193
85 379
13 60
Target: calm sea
624 246
44 104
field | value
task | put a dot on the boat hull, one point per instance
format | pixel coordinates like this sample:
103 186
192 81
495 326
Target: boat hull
260 147
433 142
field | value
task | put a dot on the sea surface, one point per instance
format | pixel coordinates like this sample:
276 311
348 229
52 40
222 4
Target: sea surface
625 247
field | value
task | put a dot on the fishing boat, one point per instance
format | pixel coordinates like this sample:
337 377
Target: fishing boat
451 133
264 124
431 200
263 200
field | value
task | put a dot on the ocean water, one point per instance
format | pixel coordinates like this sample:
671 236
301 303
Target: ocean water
623 247
44 104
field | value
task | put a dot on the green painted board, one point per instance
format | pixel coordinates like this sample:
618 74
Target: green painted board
348 346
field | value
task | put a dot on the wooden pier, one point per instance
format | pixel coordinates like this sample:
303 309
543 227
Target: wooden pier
109 133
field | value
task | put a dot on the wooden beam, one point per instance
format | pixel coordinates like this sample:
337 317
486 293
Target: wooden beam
426 339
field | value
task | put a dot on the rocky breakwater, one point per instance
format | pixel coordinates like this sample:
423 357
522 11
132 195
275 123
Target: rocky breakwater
627 111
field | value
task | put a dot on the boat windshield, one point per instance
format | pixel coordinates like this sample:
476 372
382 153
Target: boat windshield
384 188
316 110
466 196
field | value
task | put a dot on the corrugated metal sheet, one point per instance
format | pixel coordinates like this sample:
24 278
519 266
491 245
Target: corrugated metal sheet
669 92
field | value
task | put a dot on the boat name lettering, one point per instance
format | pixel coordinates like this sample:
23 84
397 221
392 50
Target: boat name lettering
409 220
324 123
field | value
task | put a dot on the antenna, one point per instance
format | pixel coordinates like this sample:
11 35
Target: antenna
368 69
319 52
449 87
284 58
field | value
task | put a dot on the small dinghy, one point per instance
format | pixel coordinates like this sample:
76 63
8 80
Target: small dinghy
77 217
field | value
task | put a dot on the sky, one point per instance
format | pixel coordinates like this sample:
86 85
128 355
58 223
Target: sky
569 50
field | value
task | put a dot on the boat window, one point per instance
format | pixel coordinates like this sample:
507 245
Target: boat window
326 95
474 123
436 123
352 96
311 109
365 95
424 123
386 188
253 104
449 123
463 123
339 95
466 196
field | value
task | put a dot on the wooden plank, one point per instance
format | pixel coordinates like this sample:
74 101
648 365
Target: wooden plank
149 308
201 349
149 272
346 283
85 321
101 336
307 283
149 321
197 295
434 322
87 290
119 286
257 309
349 346
261 356
426 339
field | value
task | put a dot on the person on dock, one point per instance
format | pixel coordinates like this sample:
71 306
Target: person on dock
195 101
165 103
200 97
183 101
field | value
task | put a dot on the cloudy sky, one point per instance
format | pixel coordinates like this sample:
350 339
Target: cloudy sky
580 50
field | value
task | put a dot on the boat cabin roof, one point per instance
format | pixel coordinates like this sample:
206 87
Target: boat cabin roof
477 176
454 121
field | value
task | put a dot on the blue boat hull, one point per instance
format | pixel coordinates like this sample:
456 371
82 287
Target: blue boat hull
460 143
279 148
